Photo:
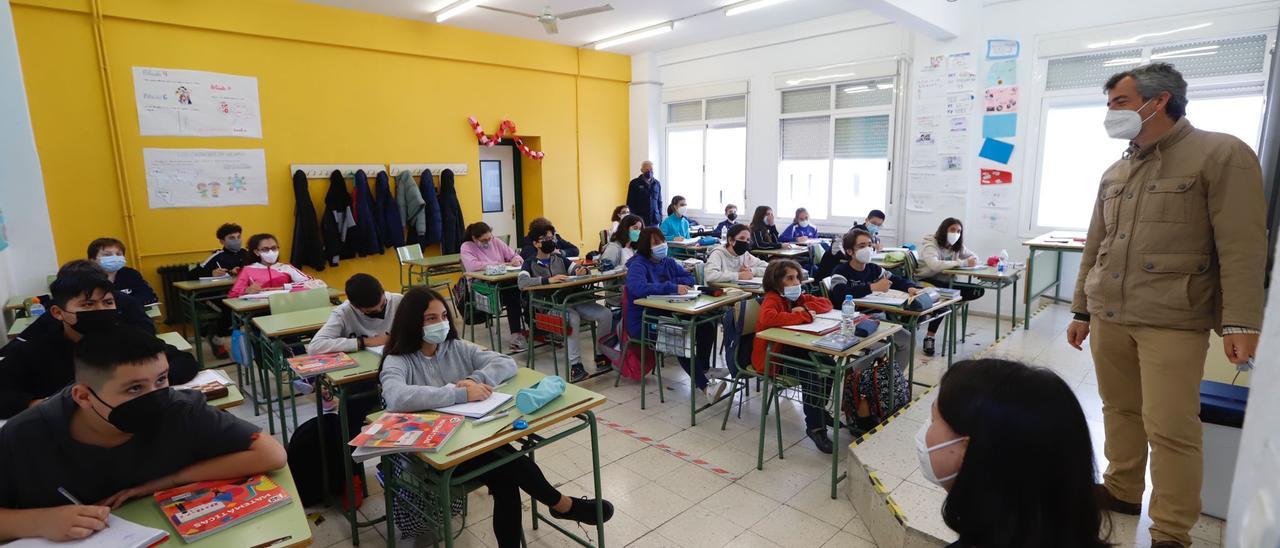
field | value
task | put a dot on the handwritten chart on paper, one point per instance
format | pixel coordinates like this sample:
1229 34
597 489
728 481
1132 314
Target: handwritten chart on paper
196 103
197 177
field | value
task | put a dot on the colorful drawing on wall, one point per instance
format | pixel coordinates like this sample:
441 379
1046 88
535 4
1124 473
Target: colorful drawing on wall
196 103
193 177
1002 49
996 177
506 128
1002 73
1003 99
996 151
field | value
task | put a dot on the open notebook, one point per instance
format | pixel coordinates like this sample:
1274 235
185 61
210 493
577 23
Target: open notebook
476 409
120 533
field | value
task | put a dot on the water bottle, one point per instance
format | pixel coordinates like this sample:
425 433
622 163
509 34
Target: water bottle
36 309
848 314
1004 258
724 233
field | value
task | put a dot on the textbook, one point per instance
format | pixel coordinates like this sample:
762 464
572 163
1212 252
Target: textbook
319 364
404 433
200 509
837 341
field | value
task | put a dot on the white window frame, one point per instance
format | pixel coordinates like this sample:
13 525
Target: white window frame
704 125
1031 226
835 223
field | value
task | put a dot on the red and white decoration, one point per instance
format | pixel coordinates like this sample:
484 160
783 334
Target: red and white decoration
505 129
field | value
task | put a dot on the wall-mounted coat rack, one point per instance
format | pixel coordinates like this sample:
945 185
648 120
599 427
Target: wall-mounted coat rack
416 169
322 171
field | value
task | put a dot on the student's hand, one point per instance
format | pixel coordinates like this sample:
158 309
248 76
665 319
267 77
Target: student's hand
745 274
1240 346
1078 331
877 247
557 278
71 522
516 261
219 272
802 239
682 289
477 391
881 285
971 261
146 489
254 287
235 271
913 291
798 309
581 271
376 340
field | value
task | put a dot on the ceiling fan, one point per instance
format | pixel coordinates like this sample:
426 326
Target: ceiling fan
549 19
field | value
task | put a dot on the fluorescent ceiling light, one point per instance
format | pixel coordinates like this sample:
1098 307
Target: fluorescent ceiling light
455 9
799 81
749 5
1140 37
1186 52
634 35
884 86
1118 61
858 89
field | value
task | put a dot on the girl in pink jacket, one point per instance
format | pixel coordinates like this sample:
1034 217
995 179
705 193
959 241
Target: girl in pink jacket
268 273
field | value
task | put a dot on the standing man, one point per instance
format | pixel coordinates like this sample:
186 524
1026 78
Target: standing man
1176 247
644 196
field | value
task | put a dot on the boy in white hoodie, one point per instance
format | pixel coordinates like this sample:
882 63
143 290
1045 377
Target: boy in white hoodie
733 261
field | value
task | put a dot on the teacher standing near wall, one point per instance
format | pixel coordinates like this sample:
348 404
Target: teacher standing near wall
1176 247
644 195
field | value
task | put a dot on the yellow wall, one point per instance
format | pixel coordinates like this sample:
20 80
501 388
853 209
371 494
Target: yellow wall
335 86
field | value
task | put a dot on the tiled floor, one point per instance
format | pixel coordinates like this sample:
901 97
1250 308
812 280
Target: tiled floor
662 500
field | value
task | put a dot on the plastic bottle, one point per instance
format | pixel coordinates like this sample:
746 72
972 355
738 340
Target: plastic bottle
724 233
848 312
36 309
1004 258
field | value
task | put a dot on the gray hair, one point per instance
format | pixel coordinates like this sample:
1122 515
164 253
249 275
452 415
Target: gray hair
1154 79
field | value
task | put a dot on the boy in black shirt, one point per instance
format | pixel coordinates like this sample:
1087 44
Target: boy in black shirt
859 276
109 253
117 434
228 260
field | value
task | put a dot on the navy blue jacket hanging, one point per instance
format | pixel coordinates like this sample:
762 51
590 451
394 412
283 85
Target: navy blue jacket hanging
338 220
451 221
364 236
308 248
387 214
434 221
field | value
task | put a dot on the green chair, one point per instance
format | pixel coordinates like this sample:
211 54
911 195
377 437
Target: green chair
298 300
410 257
741 381
817 252
506 239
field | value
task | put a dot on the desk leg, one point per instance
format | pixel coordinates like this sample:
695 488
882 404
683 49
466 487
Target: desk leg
388 501
911 363
348 487
693 373
841 370
999 293
951 336
445 506
1013 306
595 473
1057 277
264 367
1031 261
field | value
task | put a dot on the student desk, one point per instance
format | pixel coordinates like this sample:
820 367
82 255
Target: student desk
553 302
174 338
193 293
688 316
234 398
275 353
831 364
988 277
436 265
1056 243
757 290
490 288
432 474
784 253
690 249
288 522
153 311
910 319
19 325
339 383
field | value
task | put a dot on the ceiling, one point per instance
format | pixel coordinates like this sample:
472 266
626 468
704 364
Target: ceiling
627 15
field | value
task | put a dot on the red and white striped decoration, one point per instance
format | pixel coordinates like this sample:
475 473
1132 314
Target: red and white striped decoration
506 128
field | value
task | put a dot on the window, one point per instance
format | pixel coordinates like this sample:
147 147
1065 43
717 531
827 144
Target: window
835 149
1225 79
707 152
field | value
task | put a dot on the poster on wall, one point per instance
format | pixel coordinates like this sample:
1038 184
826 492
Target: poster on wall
201 177
195 103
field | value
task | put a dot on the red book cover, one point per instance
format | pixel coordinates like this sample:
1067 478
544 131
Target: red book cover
405 432
201 509
319 364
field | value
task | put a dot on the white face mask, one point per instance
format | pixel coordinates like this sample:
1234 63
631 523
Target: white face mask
681 210
791 292
435 333
952 238
923 451
269 257
1126 124
804 223
863 255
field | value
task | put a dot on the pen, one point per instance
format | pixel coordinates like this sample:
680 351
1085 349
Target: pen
67 494
491 417
272 542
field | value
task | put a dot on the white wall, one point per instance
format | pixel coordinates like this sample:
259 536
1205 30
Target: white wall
29 257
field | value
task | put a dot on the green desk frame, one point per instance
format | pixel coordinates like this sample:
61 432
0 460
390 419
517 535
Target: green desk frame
496 284
191 295
273 354
987 278
1035 250
556 299
337 383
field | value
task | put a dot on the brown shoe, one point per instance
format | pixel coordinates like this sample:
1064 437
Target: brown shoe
1109 502
1166 544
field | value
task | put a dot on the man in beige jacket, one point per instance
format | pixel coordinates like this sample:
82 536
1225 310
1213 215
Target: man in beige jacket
1176 248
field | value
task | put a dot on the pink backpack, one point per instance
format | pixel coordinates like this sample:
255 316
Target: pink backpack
631 357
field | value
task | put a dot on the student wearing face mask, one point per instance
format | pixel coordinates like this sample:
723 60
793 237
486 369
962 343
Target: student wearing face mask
109 252
540 225
231 258
482 249
764 235
618 213
944 250
1010 445
619 251
675 228
39 362
652 272
730 219
785 303
549 267
363 321
426 366
872 224
859 276
799 231
118 433
733 261
268 273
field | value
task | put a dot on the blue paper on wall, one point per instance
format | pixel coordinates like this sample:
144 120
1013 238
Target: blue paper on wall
996 151
995 126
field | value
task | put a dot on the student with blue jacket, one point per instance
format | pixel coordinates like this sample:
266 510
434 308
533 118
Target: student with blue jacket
800 230
676 226
652 272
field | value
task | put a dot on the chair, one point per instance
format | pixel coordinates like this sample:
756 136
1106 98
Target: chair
741 381
506 239
298 300
817 252
825 284
641 344
604 240
409 257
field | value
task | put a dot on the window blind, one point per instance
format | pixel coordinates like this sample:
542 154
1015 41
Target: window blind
688 111
862 137
1089 71
806 100
806 138
1210 58
871 93
727 107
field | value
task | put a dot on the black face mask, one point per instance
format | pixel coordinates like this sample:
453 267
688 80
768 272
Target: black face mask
96 321
733 216
547 246
139 415
741 248
381 314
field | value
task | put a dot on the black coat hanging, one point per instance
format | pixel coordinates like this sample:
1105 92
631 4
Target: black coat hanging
308 248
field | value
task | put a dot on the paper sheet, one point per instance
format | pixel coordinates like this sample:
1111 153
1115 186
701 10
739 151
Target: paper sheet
120 533
477 409
196 177
818 325
995 177
995 220
1002 48
376 349
1002 73
206 376
196 103
1003 99
997 197
959 104
996 151
995 126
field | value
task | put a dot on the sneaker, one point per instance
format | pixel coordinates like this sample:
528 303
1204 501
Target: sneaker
583 510
221 353
718 373
820 439
518 343
603 363
577 373
302 387
929 348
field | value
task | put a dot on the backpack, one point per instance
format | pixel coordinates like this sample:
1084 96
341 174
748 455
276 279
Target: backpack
631 356
304 461
461 293
871 385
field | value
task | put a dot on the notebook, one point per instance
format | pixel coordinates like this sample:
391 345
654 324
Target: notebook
404 433
819 326
319 364
891 297
200 509
205 376
264 294
837 341
477 409
120 533
376 349
214 278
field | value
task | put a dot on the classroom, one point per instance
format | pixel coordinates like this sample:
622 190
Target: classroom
659 273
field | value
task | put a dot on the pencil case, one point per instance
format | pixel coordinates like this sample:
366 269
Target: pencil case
533 398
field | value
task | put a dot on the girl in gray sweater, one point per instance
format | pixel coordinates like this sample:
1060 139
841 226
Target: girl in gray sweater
426 365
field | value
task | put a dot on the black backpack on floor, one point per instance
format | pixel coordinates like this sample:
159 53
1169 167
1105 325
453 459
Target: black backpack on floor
304 458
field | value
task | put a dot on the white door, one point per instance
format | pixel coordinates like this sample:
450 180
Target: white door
498 190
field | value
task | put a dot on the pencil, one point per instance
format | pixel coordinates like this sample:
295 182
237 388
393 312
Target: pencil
272 542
